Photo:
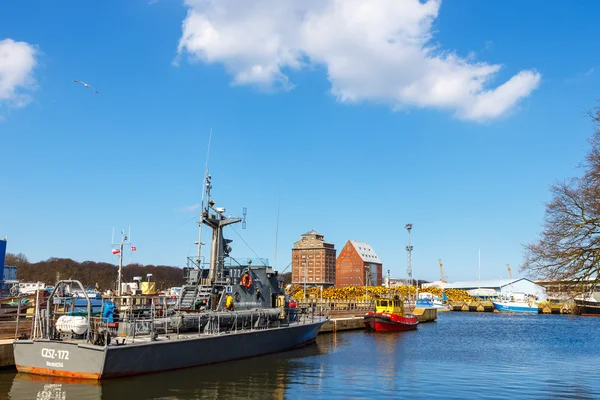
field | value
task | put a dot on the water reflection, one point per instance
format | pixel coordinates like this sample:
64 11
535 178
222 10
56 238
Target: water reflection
26 386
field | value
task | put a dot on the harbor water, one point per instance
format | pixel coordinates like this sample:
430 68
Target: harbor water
462 355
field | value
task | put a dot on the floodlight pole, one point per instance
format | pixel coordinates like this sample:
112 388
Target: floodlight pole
409 249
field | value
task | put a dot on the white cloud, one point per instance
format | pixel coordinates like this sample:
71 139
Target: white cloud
380 51
17 62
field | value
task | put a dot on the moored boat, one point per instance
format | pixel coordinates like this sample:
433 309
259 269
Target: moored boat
523 306
389 316
588 304
221 314
426 300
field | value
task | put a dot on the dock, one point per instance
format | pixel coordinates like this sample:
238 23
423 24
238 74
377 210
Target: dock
343 324
356 321
7 358
425 314
488 306
8 331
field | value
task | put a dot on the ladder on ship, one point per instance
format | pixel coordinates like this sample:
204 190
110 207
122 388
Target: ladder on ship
191 293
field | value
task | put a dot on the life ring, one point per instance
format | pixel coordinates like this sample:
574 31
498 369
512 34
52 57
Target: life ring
246 280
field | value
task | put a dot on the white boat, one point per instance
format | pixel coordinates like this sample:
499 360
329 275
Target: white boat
517 303
27 288
426 300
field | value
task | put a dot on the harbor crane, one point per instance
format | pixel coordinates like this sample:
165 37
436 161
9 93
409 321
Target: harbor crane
509 273
441 270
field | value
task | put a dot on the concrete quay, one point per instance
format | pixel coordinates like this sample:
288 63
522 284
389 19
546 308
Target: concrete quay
343 324
354 322
7 358
425 314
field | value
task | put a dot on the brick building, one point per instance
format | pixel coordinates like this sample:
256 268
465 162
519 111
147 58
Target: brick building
313 254
355 260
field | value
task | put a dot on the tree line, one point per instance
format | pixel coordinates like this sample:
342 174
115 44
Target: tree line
91 273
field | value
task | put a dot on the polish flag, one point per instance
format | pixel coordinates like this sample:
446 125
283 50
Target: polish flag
133 248
116 251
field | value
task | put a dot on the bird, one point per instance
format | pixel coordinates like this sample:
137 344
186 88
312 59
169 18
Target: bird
86 85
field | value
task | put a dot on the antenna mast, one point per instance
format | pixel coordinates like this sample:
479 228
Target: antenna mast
205 188
124 242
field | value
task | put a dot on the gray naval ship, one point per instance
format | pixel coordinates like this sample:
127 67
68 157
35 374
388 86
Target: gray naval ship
225 312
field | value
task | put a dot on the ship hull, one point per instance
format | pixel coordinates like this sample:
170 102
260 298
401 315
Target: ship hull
514 307
44 357
588 308
380 322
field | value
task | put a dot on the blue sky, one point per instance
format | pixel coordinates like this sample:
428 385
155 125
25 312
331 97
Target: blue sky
453 116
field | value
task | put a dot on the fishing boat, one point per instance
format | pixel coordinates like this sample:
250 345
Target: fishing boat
588 304
389 316
222 314
426 300
517 303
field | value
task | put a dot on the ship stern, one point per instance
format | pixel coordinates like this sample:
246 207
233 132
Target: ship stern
65 359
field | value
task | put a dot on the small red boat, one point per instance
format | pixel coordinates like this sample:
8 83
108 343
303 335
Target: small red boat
389 316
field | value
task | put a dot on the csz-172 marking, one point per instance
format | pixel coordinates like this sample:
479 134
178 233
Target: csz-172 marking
55 354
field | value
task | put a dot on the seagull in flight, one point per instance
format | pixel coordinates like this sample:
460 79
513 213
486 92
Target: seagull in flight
86 85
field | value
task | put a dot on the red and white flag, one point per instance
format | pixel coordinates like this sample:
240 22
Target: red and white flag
116 251
133 248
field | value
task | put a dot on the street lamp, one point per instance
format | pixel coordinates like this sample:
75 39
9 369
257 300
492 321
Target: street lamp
367 269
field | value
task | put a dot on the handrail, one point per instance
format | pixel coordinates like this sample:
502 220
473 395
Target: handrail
50 303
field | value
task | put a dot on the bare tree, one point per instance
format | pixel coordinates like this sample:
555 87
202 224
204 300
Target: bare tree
569 246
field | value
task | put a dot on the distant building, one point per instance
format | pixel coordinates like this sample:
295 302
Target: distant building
313 260
357 264
2 257
500 287
8 273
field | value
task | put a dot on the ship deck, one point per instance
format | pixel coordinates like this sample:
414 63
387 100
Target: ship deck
143 339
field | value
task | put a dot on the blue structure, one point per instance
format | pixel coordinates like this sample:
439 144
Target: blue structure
108 312
2 257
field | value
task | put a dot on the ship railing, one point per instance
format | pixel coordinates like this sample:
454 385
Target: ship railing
150 312
61 305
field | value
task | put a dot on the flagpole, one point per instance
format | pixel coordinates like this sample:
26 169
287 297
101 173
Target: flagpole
129 237
120 266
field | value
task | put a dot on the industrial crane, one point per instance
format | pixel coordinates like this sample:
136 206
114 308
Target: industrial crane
441 270
509 273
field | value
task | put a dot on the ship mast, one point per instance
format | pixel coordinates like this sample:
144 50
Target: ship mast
123 243
214 218
199 242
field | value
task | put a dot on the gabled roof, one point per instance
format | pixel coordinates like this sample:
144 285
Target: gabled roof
486 283
366 252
